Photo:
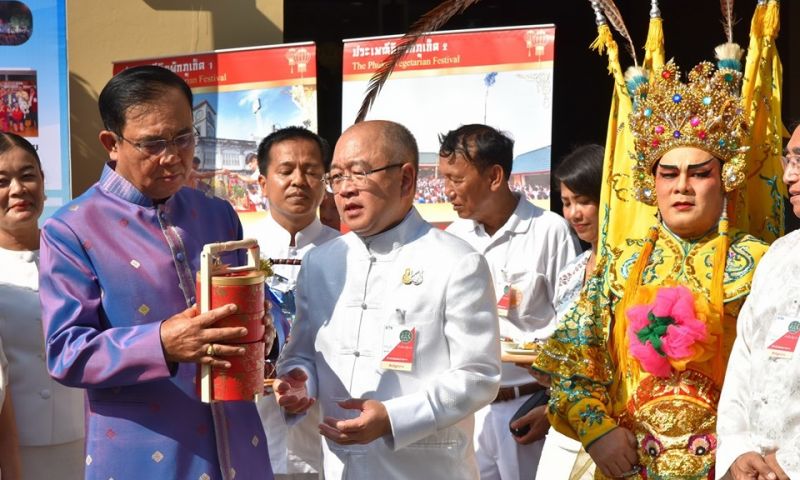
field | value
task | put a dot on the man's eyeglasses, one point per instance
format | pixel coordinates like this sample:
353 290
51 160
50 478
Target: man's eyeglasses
791 163
335 181
157 147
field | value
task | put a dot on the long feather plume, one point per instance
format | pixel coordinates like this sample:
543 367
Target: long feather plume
430 22
727 18
615 19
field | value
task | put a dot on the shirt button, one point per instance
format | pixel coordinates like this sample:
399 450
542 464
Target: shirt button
363 306
357 353
372 259
45 394
192 299
180 256
162 215
292 251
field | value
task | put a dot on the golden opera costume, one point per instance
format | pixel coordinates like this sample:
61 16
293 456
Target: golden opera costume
646 345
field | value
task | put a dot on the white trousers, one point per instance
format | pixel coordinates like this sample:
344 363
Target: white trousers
499 456
558 456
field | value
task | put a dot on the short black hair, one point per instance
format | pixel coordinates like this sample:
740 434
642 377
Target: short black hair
10 140
291 133
136 86
582 170
481 145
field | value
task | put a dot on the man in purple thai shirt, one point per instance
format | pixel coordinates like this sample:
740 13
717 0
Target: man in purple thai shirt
118 298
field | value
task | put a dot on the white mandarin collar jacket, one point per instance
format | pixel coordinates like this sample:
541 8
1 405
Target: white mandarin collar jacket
759 409
349 290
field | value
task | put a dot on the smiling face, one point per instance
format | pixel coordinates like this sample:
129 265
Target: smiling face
386 196
581 212
156 176
21 191
791 171
293 183
689 191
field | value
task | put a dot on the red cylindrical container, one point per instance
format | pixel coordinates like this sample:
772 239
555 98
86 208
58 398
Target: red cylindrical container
246 290
245 378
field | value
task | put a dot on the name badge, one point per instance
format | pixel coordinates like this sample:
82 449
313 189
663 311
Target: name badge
509 301
782 336
399 341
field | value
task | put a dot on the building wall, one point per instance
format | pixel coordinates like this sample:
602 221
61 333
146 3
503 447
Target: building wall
101 32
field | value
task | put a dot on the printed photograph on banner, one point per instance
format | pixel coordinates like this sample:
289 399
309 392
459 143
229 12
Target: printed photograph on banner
33 88
230 126
235 106
16 23
498 77
19 103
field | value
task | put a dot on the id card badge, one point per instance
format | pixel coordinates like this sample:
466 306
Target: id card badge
782 336
399 341
509 301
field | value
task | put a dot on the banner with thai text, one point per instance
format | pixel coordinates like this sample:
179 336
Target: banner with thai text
240 97
499 77
34 100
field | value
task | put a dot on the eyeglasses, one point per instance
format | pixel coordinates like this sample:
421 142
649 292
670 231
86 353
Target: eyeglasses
791 163
335 182
157 147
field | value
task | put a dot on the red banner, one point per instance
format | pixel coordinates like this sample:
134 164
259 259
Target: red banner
279 64
450 50
241 96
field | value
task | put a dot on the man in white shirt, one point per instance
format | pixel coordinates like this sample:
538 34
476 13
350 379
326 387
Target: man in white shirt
396 332
525 247
292 162
758 418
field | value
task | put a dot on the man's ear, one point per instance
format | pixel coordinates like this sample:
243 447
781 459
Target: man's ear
408 180
110 141
262 182
496 177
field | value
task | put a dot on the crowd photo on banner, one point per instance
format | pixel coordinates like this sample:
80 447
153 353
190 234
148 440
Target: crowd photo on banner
236 297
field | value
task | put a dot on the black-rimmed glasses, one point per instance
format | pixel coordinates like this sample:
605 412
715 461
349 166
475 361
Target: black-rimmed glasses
335 181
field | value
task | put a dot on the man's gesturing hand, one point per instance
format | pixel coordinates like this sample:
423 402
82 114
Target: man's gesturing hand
372 423
291 392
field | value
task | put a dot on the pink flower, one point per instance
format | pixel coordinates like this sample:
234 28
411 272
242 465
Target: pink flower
663 335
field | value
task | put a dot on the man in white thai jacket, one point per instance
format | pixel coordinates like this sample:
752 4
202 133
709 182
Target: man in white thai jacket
526 247
396 331
758 418
292 162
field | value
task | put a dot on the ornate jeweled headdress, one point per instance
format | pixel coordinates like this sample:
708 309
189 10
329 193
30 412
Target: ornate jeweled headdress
705 113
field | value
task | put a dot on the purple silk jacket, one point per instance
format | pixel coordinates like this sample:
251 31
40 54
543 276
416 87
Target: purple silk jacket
113 266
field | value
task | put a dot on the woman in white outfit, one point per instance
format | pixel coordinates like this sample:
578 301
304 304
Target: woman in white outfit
579 175
9 444
49 416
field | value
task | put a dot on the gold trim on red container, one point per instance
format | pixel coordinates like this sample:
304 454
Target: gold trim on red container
252 277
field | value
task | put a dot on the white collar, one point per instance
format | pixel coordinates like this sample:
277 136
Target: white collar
518 222
304 237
